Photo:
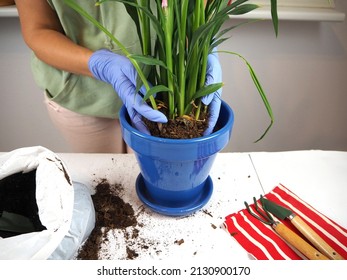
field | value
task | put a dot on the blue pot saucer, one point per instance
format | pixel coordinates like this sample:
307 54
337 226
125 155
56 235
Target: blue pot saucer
185 210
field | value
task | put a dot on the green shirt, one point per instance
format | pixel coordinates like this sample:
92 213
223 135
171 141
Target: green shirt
79 93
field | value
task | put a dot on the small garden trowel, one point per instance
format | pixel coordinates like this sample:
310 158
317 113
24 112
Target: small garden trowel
283 213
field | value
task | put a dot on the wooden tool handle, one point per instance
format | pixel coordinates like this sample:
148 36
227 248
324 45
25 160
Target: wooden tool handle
297 242
315 239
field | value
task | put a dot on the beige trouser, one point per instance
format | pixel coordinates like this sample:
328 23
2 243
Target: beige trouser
87 134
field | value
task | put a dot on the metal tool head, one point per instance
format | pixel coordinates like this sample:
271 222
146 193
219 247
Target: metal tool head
279 211
262 215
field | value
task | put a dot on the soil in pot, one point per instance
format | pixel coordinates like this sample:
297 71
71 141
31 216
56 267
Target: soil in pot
18 196
186 127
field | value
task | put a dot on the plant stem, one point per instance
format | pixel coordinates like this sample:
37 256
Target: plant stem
168 28
193 68
182 56
205 48
146 32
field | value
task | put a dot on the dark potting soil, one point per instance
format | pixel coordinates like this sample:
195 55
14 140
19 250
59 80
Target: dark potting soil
186 127
120 232
18 196
111 212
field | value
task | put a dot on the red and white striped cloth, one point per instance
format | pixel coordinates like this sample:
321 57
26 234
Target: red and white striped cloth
263 243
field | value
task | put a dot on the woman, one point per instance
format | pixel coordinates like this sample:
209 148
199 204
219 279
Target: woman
81 70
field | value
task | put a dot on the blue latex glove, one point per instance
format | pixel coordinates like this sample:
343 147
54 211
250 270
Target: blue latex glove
213 75
118 71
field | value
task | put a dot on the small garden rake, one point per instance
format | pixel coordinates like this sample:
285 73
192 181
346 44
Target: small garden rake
284 232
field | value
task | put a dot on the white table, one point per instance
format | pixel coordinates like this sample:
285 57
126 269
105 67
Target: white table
318 177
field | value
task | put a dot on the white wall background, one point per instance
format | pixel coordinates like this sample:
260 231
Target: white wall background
303 71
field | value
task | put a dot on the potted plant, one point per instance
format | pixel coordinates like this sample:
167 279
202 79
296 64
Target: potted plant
174 177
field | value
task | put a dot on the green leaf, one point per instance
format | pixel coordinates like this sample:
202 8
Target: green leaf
207 90
243 9
85 14
148 60
153 90
274 15
132 11
260 91
264 98
156 24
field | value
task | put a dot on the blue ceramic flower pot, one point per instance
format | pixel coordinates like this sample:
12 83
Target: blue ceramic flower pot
174 178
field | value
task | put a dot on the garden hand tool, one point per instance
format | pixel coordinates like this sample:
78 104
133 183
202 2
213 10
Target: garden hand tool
283 213
287 234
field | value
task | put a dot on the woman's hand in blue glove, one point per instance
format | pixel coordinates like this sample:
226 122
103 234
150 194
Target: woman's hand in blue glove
118 71
213 75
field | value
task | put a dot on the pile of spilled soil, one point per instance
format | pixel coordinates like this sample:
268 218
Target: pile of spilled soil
119 231
111 212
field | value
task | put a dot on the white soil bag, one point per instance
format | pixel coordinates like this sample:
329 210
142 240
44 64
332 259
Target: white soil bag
68 220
